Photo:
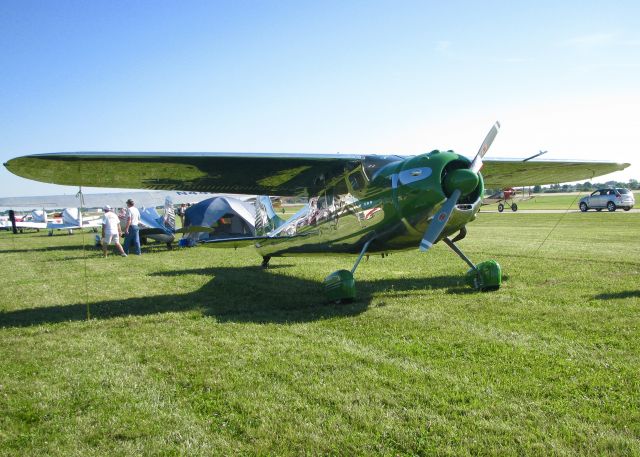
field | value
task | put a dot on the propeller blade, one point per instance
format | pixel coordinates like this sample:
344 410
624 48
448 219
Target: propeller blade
439 221
476 165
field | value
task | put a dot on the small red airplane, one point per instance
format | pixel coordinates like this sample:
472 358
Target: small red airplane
508 195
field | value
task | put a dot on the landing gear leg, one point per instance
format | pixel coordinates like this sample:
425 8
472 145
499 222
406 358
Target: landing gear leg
340 286
265 261
485 276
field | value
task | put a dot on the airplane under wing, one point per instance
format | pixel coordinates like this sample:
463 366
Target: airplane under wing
147 199
72 218
261 173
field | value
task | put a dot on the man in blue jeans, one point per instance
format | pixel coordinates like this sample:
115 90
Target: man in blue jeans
131 231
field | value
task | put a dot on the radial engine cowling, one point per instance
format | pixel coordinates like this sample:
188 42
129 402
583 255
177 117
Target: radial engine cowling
426 181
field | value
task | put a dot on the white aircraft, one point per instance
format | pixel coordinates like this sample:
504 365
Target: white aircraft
72 219
35 220
69 219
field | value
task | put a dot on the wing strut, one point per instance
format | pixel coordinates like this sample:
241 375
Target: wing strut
534 156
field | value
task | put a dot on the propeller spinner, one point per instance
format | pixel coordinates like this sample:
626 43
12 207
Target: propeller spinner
457 184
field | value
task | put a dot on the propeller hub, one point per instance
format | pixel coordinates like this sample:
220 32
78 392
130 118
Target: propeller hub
462 179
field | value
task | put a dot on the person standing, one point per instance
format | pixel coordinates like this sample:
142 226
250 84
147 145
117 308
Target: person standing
181 212
111 231
131 230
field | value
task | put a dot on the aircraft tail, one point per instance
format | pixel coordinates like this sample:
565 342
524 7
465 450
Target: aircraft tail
72 217
39 215
266 218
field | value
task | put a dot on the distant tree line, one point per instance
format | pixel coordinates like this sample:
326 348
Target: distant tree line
587 186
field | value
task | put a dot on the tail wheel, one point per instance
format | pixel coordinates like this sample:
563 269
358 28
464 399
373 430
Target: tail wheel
611 206
583 207
500 207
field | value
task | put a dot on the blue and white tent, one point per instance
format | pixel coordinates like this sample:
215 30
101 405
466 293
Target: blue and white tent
219 217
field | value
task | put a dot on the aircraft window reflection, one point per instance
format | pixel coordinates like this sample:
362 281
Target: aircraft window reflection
322 201
329 198
341 188
357 181
373 164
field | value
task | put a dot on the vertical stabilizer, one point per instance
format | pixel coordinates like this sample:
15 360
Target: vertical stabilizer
39 215
72 217
266 218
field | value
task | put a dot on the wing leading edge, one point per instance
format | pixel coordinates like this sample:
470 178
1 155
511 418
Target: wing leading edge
236 173
503 173
259 173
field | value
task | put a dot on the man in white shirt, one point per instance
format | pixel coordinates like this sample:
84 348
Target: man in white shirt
111 231
131 231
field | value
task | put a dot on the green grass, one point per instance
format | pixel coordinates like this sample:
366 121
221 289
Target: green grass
551 201
200 352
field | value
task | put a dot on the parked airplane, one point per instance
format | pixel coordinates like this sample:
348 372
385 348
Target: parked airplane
35 220
72 219
506 197
68 219
418 200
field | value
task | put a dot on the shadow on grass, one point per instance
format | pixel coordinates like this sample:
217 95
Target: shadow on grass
88 247
618 295
246 294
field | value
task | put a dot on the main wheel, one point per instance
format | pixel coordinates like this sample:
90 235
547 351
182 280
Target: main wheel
500 207
598 209
485 277
340 287
514 207
583 207
627 208
611 206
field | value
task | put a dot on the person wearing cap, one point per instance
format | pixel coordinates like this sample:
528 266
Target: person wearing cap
131 231
111 231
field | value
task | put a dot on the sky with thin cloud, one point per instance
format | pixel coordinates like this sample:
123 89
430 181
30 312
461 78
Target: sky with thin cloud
370 77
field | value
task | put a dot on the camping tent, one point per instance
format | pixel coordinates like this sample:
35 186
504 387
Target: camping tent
219 217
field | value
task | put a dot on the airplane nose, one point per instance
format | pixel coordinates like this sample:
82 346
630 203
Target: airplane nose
462 179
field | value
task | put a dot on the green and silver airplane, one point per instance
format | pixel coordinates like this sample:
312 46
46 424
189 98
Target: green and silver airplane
358 204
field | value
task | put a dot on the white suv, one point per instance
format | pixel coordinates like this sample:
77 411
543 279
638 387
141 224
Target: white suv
609 198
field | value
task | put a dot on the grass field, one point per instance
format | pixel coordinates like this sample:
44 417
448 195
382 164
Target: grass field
551 201
200 352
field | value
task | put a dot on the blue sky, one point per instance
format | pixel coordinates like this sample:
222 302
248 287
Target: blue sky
348 76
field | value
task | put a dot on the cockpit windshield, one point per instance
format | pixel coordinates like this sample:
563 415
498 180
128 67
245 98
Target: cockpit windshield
372 164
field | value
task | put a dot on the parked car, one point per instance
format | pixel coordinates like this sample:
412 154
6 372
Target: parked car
608 198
